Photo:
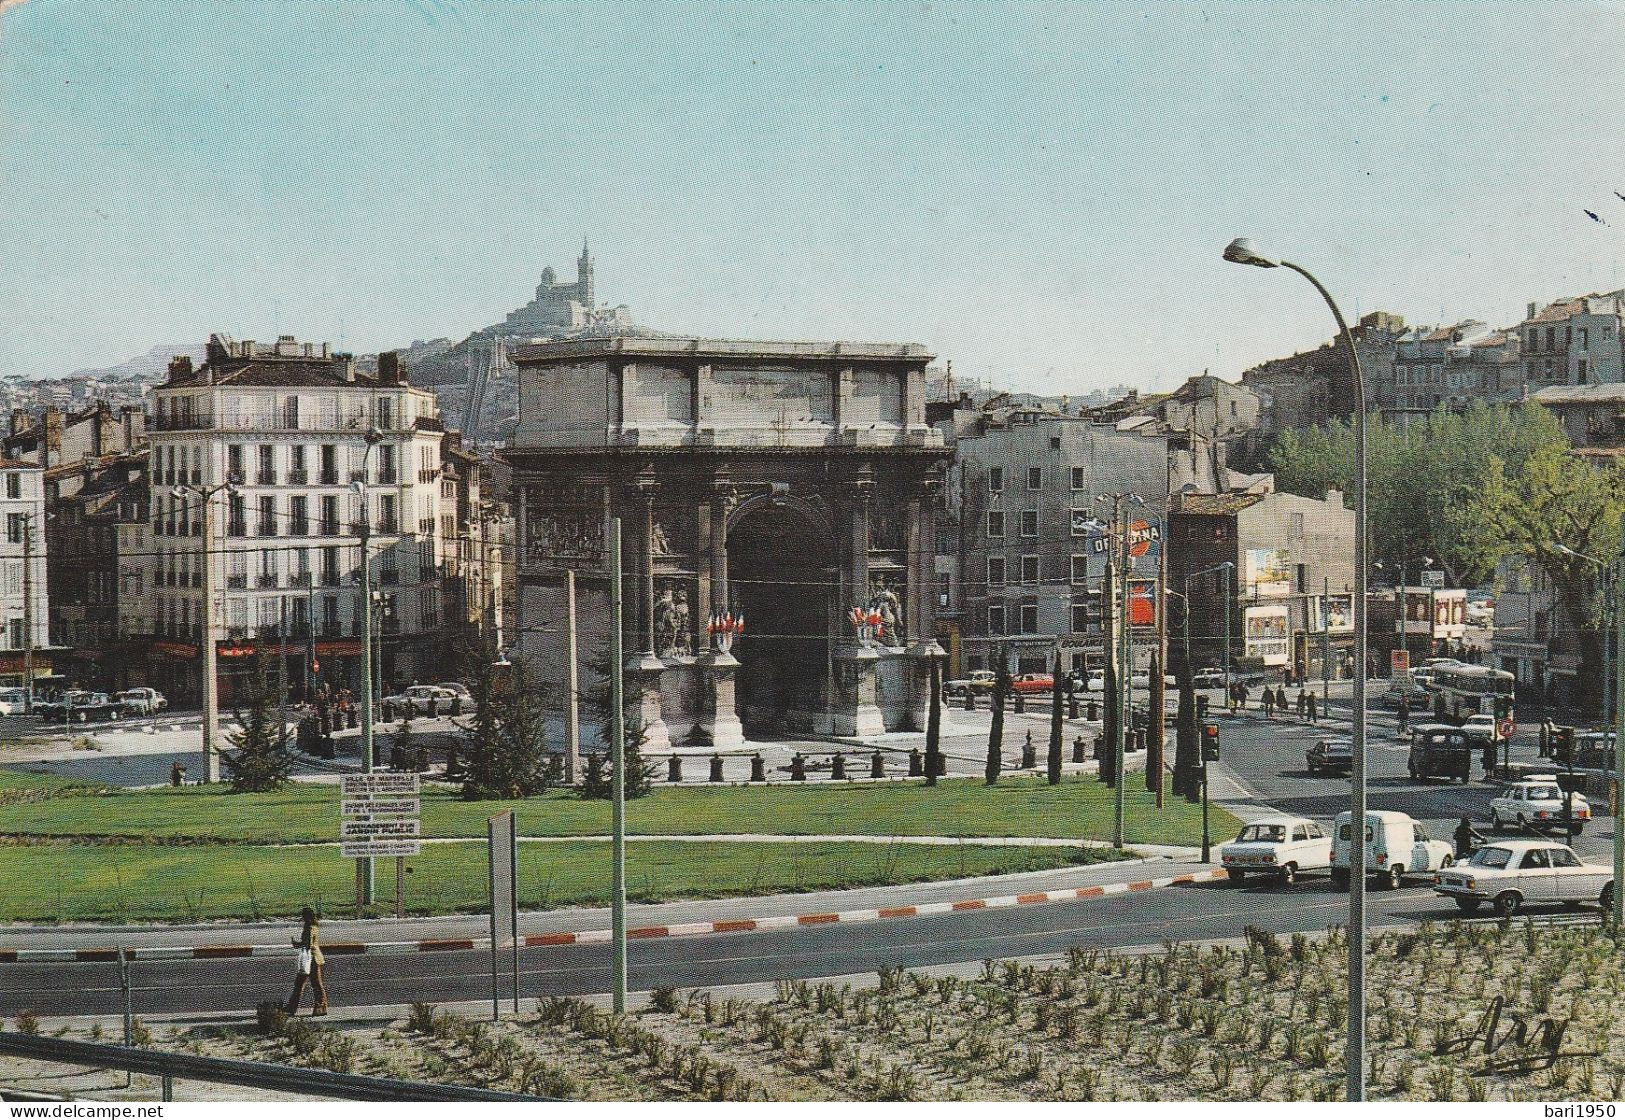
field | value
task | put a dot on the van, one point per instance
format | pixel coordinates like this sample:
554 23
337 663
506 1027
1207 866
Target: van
1396 845
1440 750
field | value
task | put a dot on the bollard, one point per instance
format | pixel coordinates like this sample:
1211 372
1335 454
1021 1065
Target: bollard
674 769
798 769
1094 711
1021 702
1072 707
877 766
837 767
1077 749
716 768
420 760
177 775
942 765
915 766
389 713
758 769
397 759
350 717
1103 767
1139 740
1029 753
456 705
970 700
434 706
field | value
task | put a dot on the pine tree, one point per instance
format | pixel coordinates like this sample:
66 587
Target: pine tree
259 762
995 734
639 777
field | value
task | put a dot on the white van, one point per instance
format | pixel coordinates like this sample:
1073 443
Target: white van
1396 846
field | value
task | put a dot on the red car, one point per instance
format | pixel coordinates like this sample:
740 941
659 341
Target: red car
1033 682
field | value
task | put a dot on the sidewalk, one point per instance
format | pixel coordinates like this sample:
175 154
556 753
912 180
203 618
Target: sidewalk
1169 863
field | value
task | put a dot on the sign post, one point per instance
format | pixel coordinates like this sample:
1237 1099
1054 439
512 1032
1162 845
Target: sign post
378 816
502 855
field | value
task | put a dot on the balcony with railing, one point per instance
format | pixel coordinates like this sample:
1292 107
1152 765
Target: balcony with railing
265 478
330 577
299 579
237 581
269 579
329 478
327 527
298 477
185 422
388 525
299 527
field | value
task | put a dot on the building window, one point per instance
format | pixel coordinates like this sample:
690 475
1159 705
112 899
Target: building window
1079 481
387 522
995 571
995 479
14 528
1029 522
1585 337
330 464
14 485
1029 569
1029 618
386 463
267 516
995 620
1080 621
1080 568
330 516
236 516
234 463
1296 522
330 566
298 516
1035 478
266 474
1582 371
995 523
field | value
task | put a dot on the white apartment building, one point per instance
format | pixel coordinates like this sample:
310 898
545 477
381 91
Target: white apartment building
291 443
22 513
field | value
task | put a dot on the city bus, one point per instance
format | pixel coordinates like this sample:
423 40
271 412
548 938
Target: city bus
1472 689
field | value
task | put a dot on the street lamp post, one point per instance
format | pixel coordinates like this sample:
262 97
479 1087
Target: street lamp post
364 867
1405 603
211 690
1241 251
1609 609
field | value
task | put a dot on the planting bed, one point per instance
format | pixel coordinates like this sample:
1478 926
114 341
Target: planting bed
1262 1022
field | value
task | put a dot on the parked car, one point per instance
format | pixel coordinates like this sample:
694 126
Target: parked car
1480 728
978 680
1279 846
1440 750
79 706
1481 614
457 687
141 701
1033 682
13 701
1330 756
1395 846
1509 874
1209 678
1537 802
415 700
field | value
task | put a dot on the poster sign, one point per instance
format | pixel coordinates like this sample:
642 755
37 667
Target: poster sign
1144 538
378 815
1399 661
1331 612
1432 577
1267 572
1266 633
1142 602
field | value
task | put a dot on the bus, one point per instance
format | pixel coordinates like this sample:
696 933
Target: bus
1473 689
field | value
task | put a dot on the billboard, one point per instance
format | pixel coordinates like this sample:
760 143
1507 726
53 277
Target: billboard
1267 634
1339 614
1142 602
1144 539
1267 572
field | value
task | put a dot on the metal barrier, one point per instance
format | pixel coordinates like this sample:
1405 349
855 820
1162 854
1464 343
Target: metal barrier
230 1071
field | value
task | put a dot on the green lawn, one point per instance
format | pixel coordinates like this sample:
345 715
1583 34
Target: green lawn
1016 806
143 882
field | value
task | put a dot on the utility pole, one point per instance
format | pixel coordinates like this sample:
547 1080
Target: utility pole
363 866
211 688
282 671
1124 683
572 684
617 761
1618 908
1325 642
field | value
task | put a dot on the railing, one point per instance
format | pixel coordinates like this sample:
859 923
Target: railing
265 478
268 579
298 528
298 478
184 423
300 1080
237 582
329 478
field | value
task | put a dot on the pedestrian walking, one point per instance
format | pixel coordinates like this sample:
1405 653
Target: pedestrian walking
1280 701
1404 714
309 965
1242 692
1269 703
1303 705
1314 716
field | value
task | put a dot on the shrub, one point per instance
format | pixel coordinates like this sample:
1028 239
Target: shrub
27 1022
665 1000
421 1018
270 1018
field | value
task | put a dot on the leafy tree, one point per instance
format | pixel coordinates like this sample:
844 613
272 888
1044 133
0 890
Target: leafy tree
260 761
995 733
1423 477
1559 499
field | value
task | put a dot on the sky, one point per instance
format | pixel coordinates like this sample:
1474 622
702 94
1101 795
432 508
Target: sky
1039 192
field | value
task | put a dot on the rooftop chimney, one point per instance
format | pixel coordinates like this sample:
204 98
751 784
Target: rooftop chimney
180 367
1531 314
389 367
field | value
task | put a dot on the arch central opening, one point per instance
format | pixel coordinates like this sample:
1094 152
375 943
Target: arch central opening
781 576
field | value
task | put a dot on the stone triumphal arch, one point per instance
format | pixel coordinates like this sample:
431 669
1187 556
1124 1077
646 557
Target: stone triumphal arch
784 484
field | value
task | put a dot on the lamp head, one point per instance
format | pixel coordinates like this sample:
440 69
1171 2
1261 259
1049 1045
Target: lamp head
1136 499
375 434
178 492
1241 251
1427 561
1227 564
357 487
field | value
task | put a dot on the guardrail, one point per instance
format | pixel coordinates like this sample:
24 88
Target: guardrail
231 1071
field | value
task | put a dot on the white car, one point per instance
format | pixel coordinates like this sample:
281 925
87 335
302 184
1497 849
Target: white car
1510 873
1481 726
458 688
1208 678
415 700
1278 846
141 701
1537 802
13 701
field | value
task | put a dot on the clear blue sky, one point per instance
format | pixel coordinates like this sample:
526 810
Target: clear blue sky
1038 191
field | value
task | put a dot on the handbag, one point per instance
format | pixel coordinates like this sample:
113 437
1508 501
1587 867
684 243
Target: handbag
304 966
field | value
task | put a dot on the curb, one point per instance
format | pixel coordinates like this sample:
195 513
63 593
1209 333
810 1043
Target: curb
592 936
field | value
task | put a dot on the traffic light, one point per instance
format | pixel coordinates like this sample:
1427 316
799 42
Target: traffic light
1563 744
1210 742
1503 708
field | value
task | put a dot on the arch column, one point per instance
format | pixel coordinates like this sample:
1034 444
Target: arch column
718 724
643 670
854 701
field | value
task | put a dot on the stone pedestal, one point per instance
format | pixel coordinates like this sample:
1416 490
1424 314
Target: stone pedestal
857 710
643 701
920 655
718 724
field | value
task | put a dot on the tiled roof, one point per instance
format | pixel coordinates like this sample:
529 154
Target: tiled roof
1213 505
1579 394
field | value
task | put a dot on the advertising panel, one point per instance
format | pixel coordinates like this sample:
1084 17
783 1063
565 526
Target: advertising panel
1142 603
1267 572
1267 634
